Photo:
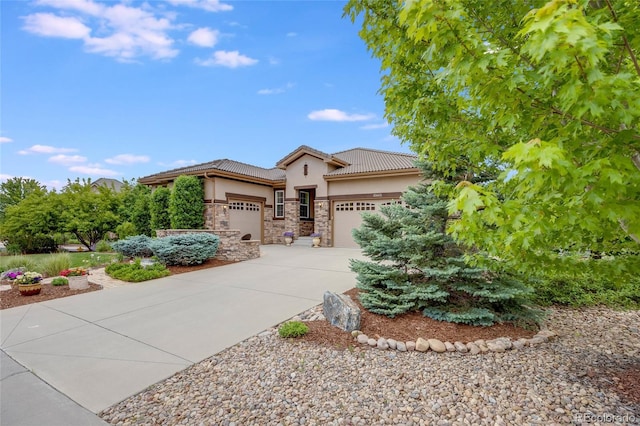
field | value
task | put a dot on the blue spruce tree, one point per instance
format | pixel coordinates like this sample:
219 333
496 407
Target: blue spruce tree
415 265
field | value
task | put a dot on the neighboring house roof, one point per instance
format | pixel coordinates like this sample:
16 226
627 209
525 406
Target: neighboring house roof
114 184
352 162
366 161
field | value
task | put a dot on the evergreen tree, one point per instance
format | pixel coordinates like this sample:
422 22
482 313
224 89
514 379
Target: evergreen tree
160 209
186 205
417 266
140 212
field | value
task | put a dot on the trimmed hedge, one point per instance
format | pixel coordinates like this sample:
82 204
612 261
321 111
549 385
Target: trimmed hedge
135 272
138 246
185 249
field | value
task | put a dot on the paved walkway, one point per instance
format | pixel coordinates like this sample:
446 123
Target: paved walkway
99 348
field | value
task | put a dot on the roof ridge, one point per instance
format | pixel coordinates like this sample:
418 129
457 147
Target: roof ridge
184 167
376 150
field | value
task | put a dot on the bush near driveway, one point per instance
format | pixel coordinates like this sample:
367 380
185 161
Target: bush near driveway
185 249
137 246
135 272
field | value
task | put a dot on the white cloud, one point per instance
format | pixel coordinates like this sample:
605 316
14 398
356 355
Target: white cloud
54 184
84 6
375 126
208 5
292 34
93 169
49 25
67 160
204 37
136 32
277 90
45 149
4 139
127 159
119 31
227 59
5 177
337 115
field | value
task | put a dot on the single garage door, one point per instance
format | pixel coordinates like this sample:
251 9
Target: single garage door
247 217
347 215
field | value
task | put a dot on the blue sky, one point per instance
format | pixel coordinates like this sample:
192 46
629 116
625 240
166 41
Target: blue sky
124 89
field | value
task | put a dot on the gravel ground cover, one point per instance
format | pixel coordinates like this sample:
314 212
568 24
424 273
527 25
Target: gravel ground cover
588 375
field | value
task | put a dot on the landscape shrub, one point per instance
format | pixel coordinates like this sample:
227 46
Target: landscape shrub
136 246
126 230
58 281
159 208
51 265
186 205
20 262
185 249
293 329
135 272
103 246
587 290
31 244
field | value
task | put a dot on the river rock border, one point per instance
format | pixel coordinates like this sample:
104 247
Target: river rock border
480 346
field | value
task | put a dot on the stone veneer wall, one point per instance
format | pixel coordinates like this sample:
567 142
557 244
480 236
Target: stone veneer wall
216 216
273 228
291 213
230 246
322 210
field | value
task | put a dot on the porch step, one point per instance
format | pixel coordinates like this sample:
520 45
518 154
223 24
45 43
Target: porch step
303 241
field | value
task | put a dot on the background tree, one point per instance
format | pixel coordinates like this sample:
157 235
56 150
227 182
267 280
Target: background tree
89 213
159 208
186 206
16 189
549 91
30 225
417 266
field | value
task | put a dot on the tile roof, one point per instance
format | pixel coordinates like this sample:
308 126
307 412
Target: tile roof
358 160
364 160
320 154
225 165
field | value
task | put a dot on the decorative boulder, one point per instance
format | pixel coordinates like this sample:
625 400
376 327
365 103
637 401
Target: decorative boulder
341 311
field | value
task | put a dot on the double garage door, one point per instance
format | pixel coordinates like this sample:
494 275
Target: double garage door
247 217
347 215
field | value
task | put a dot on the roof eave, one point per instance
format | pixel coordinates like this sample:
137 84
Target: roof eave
154 180
380 173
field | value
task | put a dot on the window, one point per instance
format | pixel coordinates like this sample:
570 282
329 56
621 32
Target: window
304 205
279 203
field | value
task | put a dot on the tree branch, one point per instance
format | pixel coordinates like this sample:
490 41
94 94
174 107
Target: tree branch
624 38
625 228
636 159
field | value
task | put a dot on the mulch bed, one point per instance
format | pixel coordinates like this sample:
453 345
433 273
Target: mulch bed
407 327
12 298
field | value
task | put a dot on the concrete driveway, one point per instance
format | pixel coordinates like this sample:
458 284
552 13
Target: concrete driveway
100 348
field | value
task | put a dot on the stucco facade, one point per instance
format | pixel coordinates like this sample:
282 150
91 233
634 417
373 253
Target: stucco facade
308 191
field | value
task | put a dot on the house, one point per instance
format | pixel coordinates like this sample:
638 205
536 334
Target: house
114 184
308 191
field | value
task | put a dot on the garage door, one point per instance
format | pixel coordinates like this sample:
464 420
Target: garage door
347 215
247 217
